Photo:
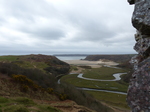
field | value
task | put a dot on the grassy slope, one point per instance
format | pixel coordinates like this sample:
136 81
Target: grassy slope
23 104
34 61
23 62
111 98
13 100
12 92
9 58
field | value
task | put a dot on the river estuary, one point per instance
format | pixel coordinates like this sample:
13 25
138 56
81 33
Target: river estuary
116 76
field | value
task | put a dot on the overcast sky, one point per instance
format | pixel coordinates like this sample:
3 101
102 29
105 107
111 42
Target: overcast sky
66 26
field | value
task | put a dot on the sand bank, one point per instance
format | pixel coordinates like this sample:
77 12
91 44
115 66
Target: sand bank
93 64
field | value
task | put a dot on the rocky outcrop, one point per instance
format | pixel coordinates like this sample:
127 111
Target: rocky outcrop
138 96
141 16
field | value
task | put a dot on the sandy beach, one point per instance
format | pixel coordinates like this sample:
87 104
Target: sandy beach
93 64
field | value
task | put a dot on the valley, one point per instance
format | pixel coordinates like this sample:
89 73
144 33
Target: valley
98 85
96 78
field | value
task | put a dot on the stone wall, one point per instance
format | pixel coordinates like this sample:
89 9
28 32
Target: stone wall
138 96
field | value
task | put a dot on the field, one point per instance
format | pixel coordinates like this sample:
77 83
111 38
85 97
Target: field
102 73
105 73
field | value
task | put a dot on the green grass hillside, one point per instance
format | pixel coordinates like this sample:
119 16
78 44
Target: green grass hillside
28 84
23 104
49 64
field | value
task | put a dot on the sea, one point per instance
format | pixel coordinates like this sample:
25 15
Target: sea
71 57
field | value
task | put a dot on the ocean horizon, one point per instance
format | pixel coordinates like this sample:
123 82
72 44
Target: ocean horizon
71 57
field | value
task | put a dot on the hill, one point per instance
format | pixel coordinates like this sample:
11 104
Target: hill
28 83
115 58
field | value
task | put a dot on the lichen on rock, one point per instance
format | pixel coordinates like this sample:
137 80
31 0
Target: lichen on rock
138 96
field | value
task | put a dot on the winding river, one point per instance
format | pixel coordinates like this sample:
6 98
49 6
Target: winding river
116 76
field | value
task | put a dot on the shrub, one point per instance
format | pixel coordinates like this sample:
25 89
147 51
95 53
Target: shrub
35 87
22 79
62 96
50 90
35 75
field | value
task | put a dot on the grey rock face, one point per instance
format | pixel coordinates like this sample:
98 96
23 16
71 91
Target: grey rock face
141 16
138 96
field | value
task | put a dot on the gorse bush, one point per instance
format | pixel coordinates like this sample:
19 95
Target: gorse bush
63 96
25 83
50 90
36 75
22 79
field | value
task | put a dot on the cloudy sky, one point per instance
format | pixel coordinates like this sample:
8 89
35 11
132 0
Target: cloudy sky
66 26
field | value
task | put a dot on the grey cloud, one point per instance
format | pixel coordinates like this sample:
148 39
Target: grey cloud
43 32
94 32
22 8
27 11
68 26
1 21
91 30
52 34
27 15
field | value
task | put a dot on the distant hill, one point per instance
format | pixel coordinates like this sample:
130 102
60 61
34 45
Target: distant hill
115 58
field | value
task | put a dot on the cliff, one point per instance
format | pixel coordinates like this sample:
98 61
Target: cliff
138 96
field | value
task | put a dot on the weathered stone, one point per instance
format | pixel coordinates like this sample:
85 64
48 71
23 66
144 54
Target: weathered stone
142 44
138 96
141 16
